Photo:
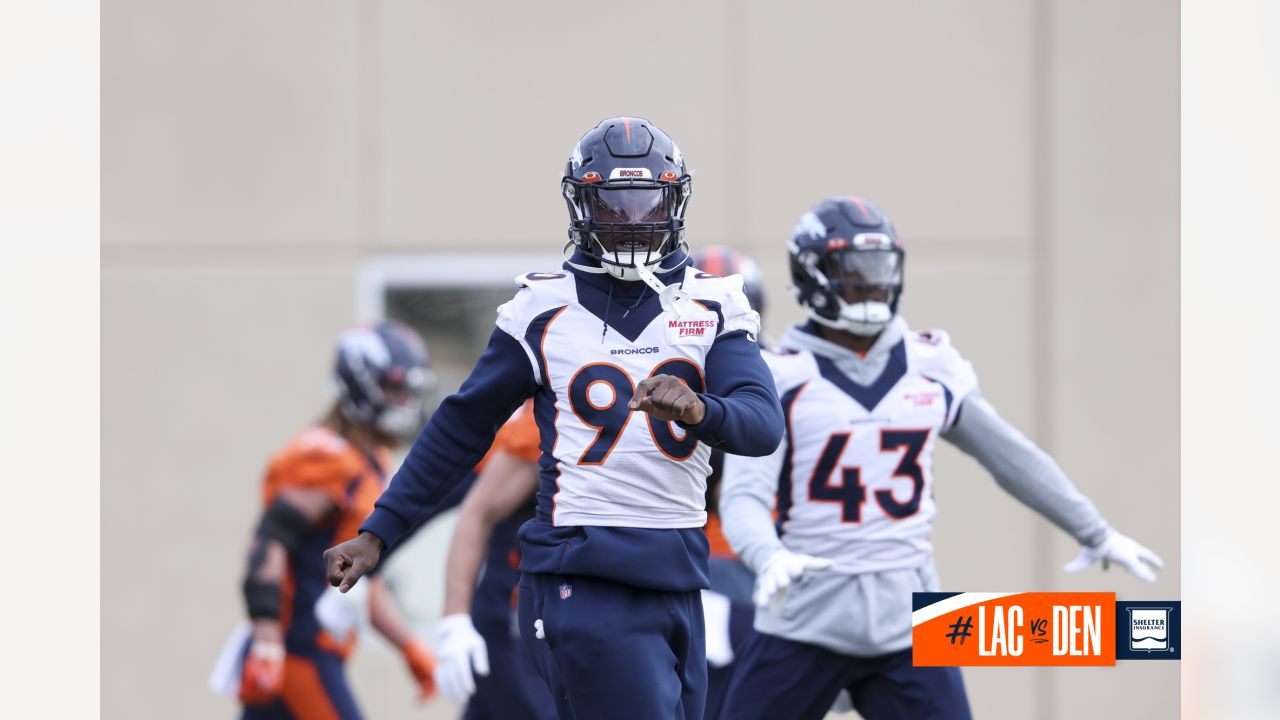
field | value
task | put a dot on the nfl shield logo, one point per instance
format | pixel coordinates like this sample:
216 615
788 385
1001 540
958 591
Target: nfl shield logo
565 591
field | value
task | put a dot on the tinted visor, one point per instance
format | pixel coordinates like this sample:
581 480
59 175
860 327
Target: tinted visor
631 205
861 268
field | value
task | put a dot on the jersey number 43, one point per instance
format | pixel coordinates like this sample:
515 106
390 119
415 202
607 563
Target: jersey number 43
851 493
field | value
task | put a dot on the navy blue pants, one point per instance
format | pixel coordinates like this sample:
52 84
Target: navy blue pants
513 688
614 651
780 678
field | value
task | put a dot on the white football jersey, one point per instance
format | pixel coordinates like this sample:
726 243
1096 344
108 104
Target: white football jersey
856 477
602 464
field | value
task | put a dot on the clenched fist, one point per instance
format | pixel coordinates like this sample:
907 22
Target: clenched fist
667 397
347 562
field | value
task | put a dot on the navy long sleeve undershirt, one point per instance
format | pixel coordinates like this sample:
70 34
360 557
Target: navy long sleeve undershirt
457 437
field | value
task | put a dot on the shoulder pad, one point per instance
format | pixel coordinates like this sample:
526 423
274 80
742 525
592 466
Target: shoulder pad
726 293
931 354
935 337
538 278
790 368
317 458
539 292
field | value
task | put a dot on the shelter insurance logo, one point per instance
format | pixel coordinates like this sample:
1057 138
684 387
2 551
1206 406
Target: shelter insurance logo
1149 630
1039 629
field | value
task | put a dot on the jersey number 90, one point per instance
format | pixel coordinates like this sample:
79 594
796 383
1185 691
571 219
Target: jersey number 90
610 417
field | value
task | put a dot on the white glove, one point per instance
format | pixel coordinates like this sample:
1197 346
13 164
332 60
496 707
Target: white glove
781 569
1122 550
459 648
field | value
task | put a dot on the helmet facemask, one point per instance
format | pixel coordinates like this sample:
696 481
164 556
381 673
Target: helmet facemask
628 224
858 287
402 401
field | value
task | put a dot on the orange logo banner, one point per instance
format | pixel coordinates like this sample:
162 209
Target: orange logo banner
1032 628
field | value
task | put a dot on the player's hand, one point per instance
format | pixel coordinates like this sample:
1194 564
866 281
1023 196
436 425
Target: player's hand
781 570
667 397
345 563
461 649
1121 550
262 679
422 664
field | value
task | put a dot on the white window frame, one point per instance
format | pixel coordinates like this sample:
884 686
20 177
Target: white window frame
380 273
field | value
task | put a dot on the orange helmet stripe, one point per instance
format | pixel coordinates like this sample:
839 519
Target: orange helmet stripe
861 208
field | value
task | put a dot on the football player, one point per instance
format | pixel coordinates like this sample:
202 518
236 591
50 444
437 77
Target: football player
865 400
476 661
316 492
638 366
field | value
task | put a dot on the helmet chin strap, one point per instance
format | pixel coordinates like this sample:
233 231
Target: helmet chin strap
628 273
670 296
864 318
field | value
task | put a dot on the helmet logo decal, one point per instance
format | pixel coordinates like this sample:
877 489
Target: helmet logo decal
591 176
668 176
630 173
838 243
810 225
872 241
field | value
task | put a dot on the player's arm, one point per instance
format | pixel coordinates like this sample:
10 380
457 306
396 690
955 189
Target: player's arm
450 501
1028 473
747 496
503 486
459 433
386 618
739 412
293 514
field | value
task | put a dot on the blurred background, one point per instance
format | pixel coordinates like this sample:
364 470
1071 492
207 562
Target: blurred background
273 172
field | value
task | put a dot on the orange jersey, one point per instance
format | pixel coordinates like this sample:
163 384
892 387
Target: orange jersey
519 436
320 459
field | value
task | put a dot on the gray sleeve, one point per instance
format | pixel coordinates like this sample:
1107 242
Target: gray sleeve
747 496
1025 471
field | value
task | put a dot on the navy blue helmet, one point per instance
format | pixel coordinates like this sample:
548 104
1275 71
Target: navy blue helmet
383 377
846 265
627 190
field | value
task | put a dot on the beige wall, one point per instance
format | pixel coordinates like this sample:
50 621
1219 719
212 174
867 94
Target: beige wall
254 153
